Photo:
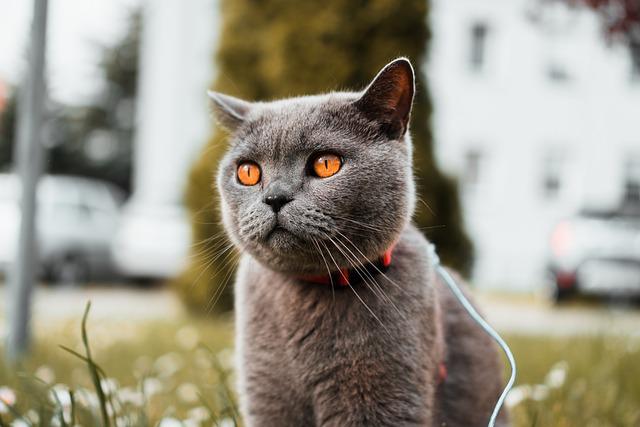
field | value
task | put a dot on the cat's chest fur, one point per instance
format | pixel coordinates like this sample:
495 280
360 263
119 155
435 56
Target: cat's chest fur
302 346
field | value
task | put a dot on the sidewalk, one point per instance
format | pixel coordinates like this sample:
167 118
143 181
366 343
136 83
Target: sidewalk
508 314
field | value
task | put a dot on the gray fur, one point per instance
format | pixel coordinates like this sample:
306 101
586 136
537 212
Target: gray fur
367 354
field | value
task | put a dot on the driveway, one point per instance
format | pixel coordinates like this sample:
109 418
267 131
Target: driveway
508 314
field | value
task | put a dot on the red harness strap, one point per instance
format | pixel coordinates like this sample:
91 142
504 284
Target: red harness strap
345 276
442 373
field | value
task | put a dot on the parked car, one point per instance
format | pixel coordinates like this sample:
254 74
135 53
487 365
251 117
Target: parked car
596 253
152 242
75 223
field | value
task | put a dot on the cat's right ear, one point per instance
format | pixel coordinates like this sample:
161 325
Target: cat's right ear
388 98
230 112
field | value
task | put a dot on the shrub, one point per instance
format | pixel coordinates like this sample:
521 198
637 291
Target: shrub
274 49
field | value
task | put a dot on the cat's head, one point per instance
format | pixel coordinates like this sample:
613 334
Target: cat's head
315 181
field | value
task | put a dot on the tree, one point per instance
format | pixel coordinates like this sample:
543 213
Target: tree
280 48
620 19
7 133
94 140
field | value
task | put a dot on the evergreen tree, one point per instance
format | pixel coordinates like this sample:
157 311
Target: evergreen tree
93 140
7 131
281 48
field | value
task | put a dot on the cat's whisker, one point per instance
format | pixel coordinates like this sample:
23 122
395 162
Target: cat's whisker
220 290
206 251
212 261
373 264
213 240
421 200
360 269
358 223
333 292
356 293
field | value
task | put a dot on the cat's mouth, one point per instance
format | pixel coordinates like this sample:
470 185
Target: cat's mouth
277 229
282 239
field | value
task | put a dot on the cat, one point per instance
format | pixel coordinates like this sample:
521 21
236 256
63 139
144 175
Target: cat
341 319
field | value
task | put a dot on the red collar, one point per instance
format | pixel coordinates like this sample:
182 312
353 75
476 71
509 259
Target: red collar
346 276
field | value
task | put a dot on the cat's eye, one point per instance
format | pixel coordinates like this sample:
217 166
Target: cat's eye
248 173
326 165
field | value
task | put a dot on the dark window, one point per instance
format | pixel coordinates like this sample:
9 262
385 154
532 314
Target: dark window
472 168
632 179
552 175
635 61
557 73
477 54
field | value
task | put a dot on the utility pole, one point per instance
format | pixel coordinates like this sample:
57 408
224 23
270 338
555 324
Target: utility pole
29 164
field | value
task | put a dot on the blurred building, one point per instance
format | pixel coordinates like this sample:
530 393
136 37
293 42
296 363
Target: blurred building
534 113
178 41
3 95
538 117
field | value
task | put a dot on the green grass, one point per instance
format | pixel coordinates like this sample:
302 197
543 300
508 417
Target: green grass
183 368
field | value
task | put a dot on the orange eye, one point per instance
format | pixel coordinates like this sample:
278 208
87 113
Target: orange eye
249 173
326 165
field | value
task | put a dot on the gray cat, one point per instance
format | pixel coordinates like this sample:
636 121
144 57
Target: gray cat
341 319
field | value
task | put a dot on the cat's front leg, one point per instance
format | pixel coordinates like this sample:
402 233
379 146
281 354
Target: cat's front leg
370 401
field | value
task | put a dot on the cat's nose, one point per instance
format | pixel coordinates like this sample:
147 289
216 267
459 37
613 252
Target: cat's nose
277 201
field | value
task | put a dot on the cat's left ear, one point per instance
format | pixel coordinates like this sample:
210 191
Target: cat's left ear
388 98
231 112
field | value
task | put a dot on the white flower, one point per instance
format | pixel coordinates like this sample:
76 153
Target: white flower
168 364
151 386
7 399
190 423
46 374
188 393
226 358
20 423
129 395
517 395
557 375
109 385
33 416
226 422
199 413
170 422
523 392
188 337
59 395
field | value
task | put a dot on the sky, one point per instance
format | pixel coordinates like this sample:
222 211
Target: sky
76 29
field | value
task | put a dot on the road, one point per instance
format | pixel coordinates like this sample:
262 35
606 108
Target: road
508 314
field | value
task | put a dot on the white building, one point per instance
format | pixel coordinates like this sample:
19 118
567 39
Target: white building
537 116
178 42
533 111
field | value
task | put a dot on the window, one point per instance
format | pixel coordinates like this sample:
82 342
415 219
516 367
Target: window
477 54
552 175
632 179
557 73
472 168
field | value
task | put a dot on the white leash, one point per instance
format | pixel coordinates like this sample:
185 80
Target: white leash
451 283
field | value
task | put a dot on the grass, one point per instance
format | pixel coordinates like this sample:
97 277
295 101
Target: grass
177 374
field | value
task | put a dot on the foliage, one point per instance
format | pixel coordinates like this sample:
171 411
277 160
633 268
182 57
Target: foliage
7 130
92 140
621 19
161 370
159 375
274 49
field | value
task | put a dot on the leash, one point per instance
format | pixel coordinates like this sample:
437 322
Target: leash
453 286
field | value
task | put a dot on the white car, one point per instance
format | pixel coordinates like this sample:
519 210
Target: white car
152 242
596 253
76 221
